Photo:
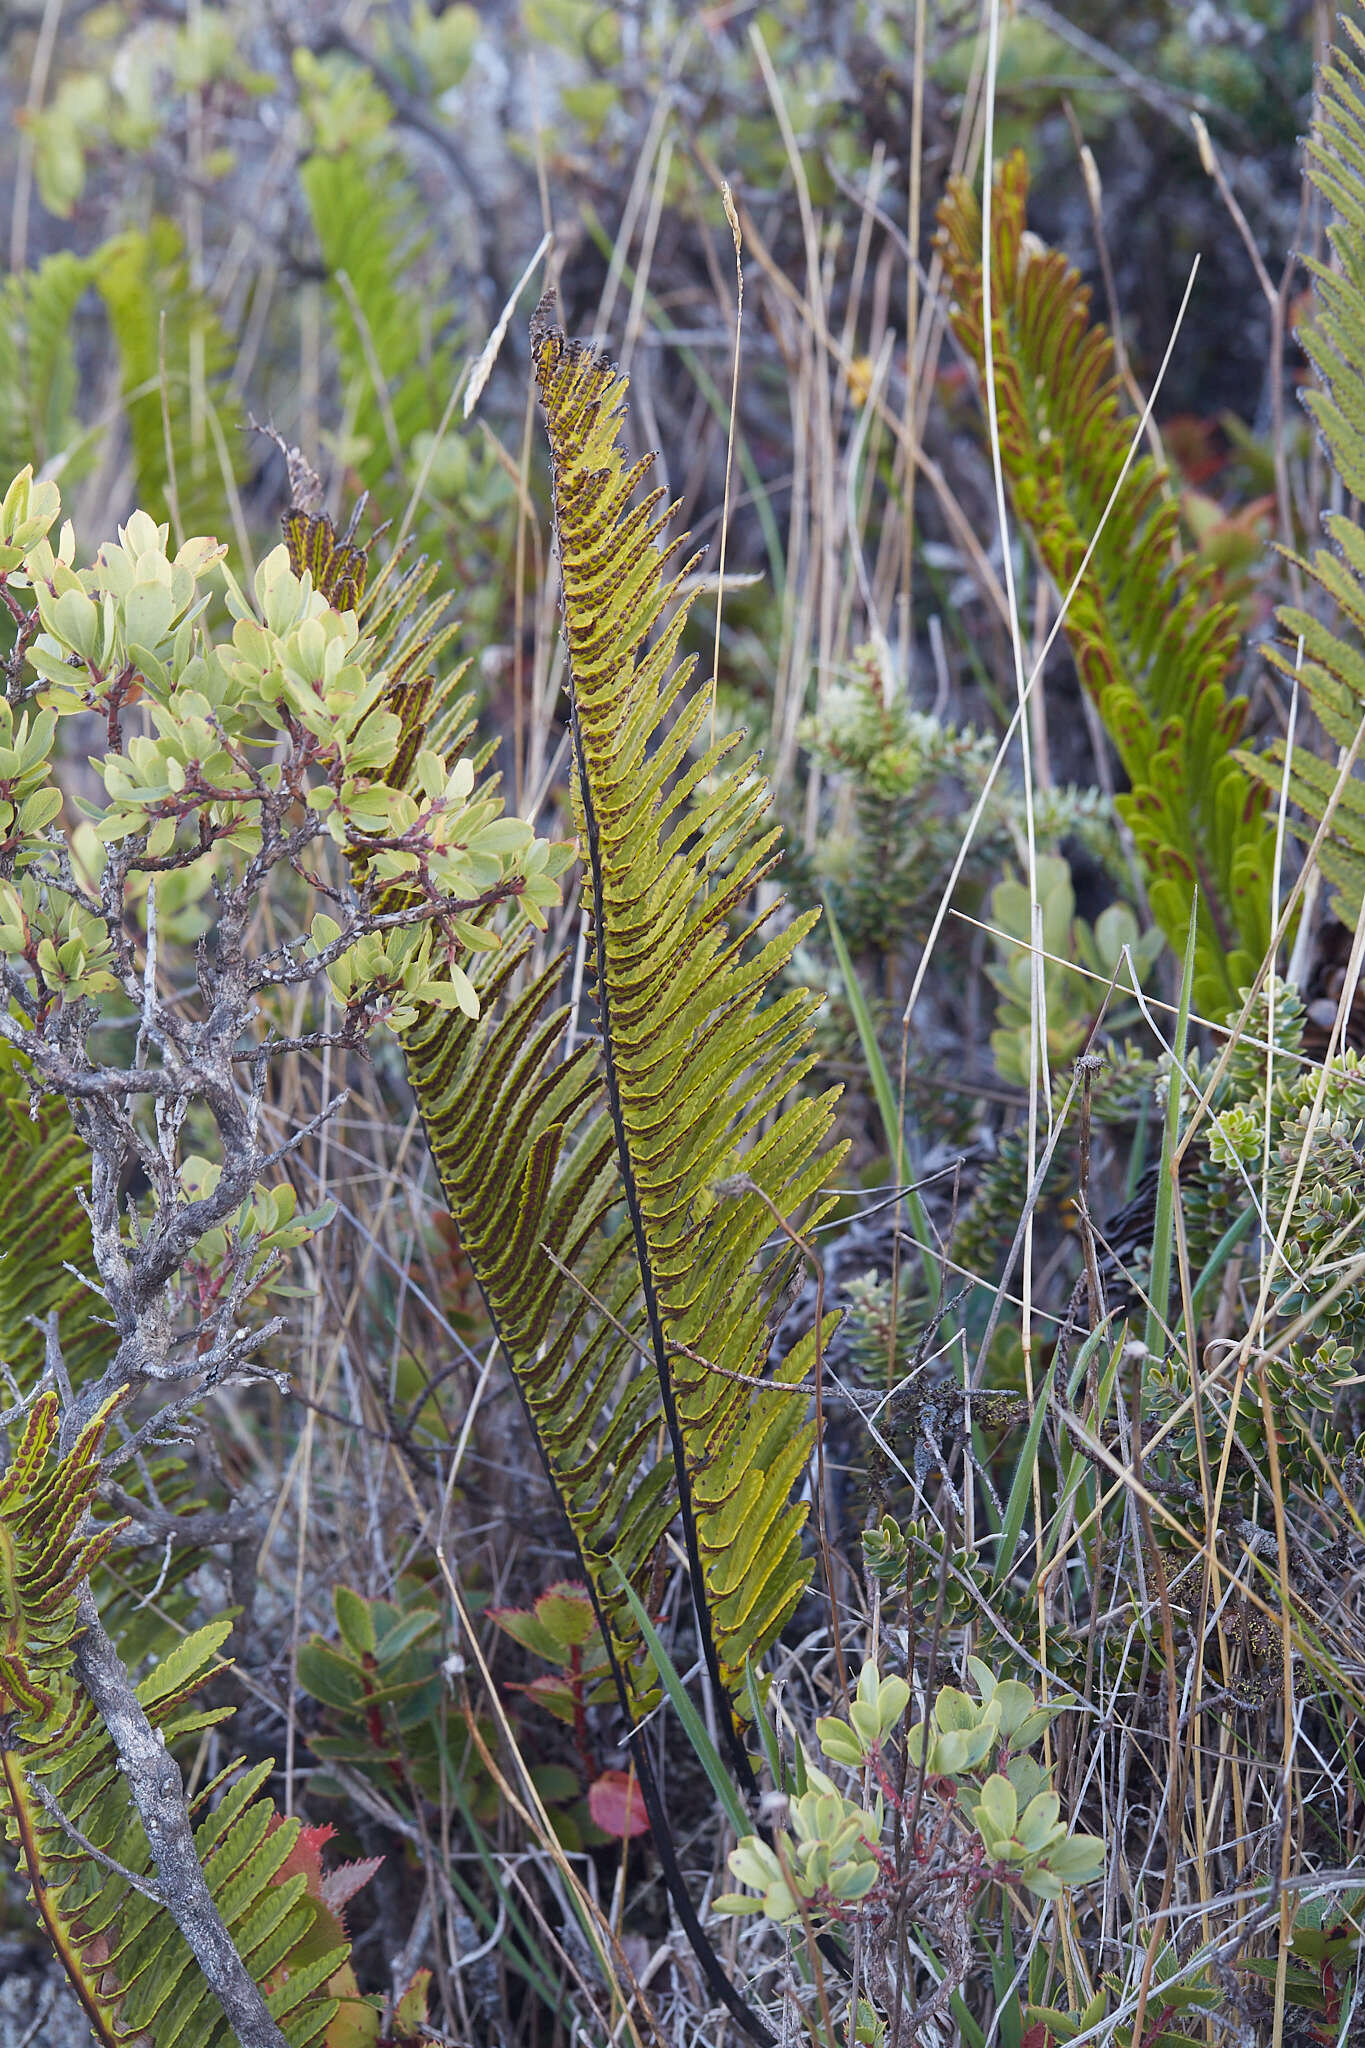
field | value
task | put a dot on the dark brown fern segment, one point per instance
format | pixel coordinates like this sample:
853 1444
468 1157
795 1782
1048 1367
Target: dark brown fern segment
697 1061
1153 644
527 1163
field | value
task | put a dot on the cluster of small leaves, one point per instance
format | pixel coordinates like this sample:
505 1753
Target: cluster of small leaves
962 1587
989 1815
1312 1176
1073 1000
912 778
291 712
256 1241
562 1628
827 1859
379 1683
1013 1807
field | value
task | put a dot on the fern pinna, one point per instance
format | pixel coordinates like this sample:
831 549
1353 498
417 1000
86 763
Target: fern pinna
1328 662
67 1807
1153 645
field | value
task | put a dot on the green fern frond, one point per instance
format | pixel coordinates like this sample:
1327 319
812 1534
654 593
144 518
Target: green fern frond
621 1205
1153 646
167 333
700 1069
62 1791
45 1238
1331 666
1335 339
395 376
37 360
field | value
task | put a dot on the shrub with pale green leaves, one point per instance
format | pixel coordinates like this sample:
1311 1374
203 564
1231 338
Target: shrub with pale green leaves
987 1814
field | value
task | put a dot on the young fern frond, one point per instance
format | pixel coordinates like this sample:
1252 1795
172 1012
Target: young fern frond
63 1793
1153 645
395 378
37 359
1331 668
616 1319
697 1064
169 339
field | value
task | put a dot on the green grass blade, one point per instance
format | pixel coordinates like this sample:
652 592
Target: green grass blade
693 1725
772 1754
1021 1487
1219 1256
1163 1229
886 1103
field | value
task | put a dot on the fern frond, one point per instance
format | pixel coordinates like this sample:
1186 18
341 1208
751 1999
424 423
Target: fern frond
142 276
63 1793
395 377
1153 645
44 1238
527 1162
697 1065
1335 339
618 1205
37 359
1331 669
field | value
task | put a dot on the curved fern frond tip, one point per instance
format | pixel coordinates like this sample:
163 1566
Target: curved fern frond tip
698 1060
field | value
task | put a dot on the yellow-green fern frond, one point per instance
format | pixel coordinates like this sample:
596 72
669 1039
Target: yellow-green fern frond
1153 645
38 362
527 1161
45 1251
623 1205
62 1792
698 1065
1331 666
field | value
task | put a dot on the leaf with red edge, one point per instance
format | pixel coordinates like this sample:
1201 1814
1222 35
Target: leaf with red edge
346 1880
411 2015
617 1805
305 1858
565 1611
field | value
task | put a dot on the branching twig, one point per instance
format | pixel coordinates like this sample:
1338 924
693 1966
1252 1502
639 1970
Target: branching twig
158 1792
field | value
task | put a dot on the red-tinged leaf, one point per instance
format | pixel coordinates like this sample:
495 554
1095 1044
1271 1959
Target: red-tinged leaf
346 1880
1037 2036
554 1694
527 1629
617 1805
565 1611
305 1858
411 2015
